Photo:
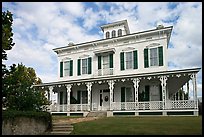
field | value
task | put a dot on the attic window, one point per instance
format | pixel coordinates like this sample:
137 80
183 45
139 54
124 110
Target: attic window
107 34
119 32
113 34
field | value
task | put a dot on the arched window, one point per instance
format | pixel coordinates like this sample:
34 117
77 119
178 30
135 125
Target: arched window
113 33
107 34
119 32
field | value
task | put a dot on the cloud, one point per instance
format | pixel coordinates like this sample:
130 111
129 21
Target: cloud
40 27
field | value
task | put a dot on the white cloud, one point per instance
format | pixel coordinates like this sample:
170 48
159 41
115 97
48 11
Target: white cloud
40 27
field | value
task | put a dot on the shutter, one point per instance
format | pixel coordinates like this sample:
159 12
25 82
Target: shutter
61 98
135 59
71 68
79 67
122 67
61 69
78 97
160 56
99 62
147 93
146 62
160 90
122 94
111 60
89 65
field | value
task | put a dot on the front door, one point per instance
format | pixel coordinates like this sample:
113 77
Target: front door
104 99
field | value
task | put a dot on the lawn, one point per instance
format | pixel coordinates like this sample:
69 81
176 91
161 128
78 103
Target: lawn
173 125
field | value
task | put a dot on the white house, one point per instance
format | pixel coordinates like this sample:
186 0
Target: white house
122 73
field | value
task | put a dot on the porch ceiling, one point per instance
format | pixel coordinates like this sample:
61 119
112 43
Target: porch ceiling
141 75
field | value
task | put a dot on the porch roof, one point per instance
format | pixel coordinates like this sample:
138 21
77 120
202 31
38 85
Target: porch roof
100 78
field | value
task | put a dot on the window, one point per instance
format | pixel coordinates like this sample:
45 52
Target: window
66 68
84 97
129 60
113 34
154 57
107 34
119 32
127 94
84 66
105 62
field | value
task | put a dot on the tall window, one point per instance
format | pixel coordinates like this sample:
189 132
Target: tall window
129 95
119 32
154 57
105 62
84 97
66 68
84 66
113 34
107 34
129 60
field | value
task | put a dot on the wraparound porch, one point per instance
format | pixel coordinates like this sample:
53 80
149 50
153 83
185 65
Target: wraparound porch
123 93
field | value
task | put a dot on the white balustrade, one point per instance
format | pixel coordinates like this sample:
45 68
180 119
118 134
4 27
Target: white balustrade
108 71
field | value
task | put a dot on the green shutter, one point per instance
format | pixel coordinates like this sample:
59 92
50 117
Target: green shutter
78 97
146 93
89 65
99 62
122 94
160 91
61 69
135 59
146 63
161 56
111 60
122 67
61 98
71 68
79 67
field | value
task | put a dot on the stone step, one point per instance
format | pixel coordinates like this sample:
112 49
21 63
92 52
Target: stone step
60 132
62 129
97 114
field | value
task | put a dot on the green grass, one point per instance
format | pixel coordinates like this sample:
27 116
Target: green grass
159 125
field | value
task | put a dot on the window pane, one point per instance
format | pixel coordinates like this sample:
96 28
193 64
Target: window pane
84 97
105 62
84 66
113 33
153 57
129 95
66 68
129 60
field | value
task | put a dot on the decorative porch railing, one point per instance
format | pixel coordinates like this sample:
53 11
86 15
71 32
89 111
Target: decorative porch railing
151 105
108 71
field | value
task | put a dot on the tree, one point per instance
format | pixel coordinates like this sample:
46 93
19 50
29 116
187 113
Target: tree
18 92
7 40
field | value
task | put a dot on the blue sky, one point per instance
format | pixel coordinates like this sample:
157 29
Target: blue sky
40 27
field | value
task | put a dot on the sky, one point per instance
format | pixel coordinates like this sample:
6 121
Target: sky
39 27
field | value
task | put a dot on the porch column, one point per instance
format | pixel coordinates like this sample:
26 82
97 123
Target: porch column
89 85
68 86
111 87
136 86
163 80
193 77
51 94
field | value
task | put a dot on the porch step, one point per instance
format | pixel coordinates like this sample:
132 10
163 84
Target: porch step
61 129
97 114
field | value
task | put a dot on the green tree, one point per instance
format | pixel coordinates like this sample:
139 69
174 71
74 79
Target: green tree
7 34
18 92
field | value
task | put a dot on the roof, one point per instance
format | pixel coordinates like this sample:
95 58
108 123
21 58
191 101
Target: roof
115 38
193 70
